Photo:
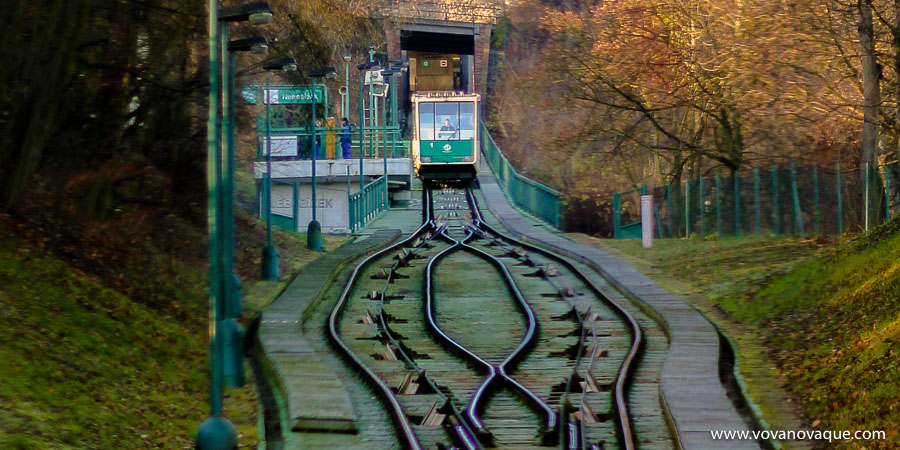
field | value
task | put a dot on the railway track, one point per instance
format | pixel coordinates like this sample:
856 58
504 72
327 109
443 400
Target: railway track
474 339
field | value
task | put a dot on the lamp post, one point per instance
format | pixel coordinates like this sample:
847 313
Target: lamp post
362 68
217 432
270 271
314 230
387 74
345 95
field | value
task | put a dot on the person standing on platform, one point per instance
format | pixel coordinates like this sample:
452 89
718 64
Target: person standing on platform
345 139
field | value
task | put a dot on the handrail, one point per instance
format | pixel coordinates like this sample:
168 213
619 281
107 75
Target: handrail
532 196
366 203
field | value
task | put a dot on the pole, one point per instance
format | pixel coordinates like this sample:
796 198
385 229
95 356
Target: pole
840 204
314 230
887 193
775 212
757 225
866 194
795 198
269 254
359 103
718 206
647 221
700 212
687 207
216 431
818 212
737 203
384 142
232 363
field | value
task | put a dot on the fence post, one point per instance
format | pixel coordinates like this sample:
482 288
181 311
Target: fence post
295 210
617 220
817 213
866 187
887 193
700 212
775 199
756 212
669 209
798 216
737 203
840 204
718 205
687 208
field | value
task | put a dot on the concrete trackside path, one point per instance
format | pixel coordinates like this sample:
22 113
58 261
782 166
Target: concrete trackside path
690 387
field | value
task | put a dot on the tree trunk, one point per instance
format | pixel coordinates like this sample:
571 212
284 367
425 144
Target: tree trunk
871 90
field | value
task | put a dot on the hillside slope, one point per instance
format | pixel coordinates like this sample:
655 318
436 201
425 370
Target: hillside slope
834 325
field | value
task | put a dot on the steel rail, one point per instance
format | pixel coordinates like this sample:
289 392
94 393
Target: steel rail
626 368
464 433
412 441
493 371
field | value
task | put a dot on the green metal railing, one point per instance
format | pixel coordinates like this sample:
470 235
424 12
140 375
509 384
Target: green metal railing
536 198
776 200
366 203
631 230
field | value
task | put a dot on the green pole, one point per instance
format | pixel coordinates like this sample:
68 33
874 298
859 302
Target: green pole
372 112
840 204
757 225
360 103
687 208
314 229
887 193
818 211
866 194
233 362
795 197
775 212
270 267
670 209
295 206
394 119
700 212
718 205
737 204
216 431
617 219
384 140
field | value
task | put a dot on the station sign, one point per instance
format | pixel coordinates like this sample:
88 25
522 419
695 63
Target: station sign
282 95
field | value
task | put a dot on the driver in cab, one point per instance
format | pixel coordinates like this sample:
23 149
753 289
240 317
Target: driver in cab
447 130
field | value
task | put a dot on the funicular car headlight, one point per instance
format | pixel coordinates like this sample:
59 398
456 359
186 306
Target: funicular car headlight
467 158
426 159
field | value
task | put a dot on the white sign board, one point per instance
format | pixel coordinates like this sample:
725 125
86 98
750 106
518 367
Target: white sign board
283 199
374 76
281 145
443 63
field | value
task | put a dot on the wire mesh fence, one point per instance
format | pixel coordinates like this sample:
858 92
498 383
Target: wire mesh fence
776 200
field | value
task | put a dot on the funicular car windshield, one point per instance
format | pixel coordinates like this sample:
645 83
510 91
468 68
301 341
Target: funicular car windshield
446 121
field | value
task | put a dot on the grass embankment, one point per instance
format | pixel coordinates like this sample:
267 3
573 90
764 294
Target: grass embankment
829 316
104 332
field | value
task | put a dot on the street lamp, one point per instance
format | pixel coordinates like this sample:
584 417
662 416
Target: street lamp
257 13
387 74
270 271
217 432
345 94
314 230
371 65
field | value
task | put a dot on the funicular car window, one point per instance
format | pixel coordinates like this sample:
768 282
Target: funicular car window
426 121
447 120
466 120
